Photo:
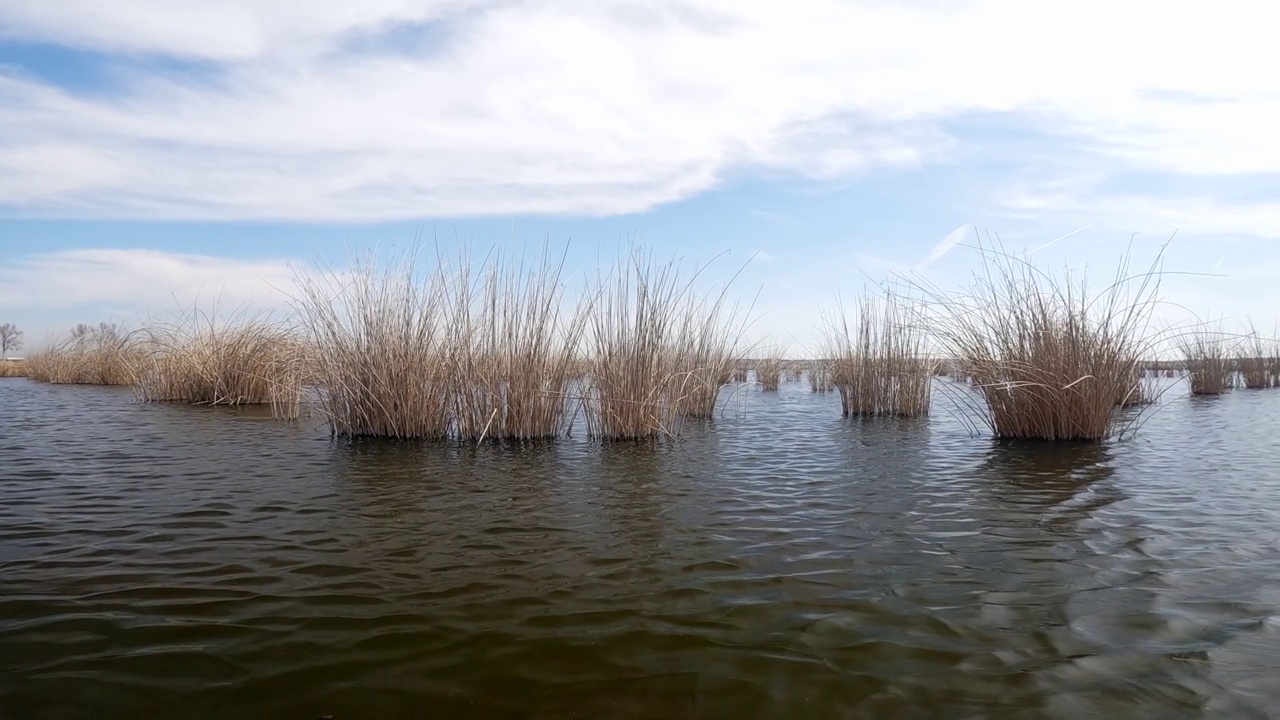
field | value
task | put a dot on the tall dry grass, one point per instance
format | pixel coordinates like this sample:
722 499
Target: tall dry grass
381 351
638 380
1208 361
105 354
201 358
879 365
771 367
13 368
1257 361
819 374
709 348
662 350
514 353
1049 359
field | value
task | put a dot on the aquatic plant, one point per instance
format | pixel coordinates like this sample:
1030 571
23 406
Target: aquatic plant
661 350
380 346
514 353
770 368
819 375
1049 360
1258 359
879 365
200 357
1207 358
13 368
102 354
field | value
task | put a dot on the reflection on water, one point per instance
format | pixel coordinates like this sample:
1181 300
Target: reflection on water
779 561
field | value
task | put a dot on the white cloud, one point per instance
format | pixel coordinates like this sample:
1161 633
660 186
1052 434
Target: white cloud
136 281
601 107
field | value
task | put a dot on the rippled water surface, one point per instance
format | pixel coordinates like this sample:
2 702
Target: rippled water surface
178 562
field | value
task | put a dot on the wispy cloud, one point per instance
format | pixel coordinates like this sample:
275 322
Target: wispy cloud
598 108
946 245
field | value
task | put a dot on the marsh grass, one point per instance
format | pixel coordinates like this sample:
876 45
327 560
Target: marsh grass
1049 359
879 365
13 368
1207 357
104 354
380 346
818 373
514 353
1257 362
661 349
771 368
709 348
201 358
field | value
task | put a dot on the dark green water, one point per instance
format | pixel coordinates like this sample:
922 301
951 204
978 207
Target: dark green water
176 562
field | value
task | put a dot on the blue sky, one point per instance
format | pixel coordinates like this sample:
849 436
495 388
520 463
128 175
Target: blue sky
158 149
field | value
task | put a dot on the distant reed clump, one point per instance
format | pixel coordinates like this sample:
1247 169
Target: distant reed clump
879 365
104 354
202 359
13 368
1049 361
771 369
819 375
1257 362
1208 362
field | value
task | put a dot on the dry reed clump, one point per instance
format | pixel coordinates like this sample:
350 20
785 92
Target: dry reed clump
13 368
201 359
770 369
879 367
1207 358
380 343
819 374
708 348
93 355
661 350
1143 392
514 356
1257 362
1048 360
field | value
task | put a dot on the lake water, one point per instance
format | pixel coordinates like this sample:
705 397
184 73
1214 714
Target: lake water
180 562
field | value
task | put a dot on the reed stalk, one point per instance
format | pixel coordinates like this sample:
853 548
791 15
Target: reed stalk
770 369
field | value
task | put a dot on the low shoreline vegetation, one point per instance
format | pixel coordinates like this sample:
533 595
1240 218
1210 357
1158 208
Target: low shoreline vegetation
104 354
201 359
13 368
507 349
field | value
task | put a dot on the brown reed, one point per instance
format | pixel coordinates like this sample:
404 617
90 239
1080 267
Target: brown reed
879 367
380 346
1207 357
513 357
104 354
13 368
202 358
1256 361
819 374
1049 360
770 368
